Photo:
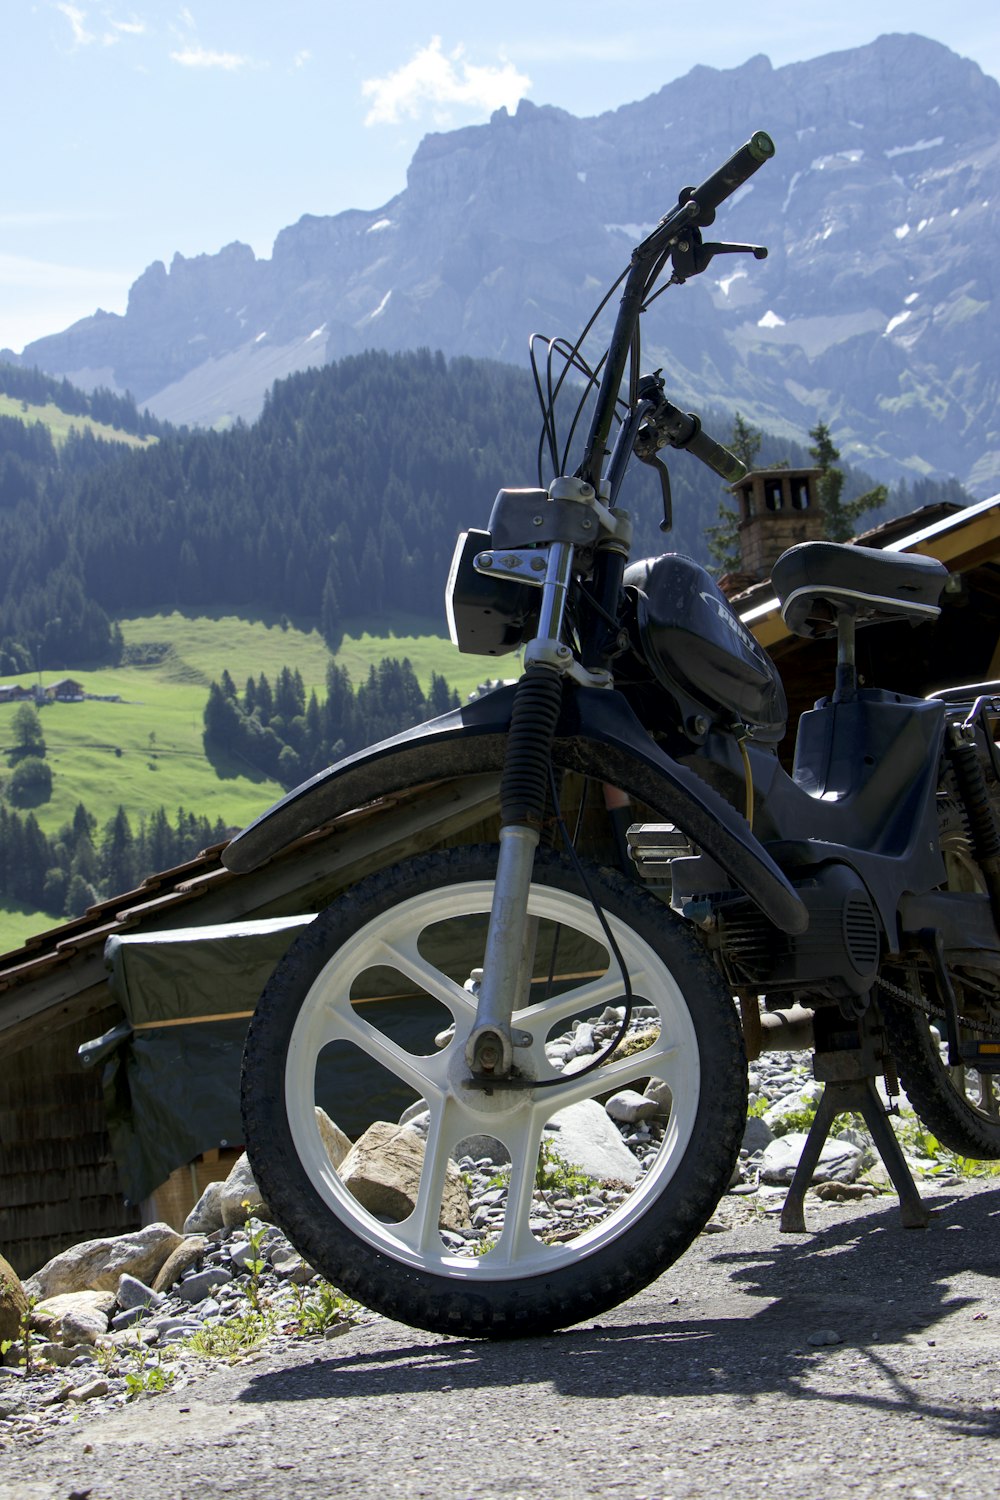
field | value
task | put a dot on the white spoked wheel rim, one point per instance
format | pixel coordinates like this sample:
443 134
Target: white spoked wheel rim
517 1118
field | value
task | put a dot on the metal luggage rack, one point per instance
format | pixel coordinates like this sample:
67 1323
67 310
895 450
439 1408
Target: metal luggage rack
978 704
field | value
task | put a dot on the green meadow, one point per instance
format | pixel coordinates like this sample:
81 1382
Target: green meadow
61 423
146 750
19 923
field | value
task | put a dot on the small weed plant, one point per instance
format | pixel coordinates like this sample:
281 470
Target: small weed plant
148 1376
321 1308
256 1264
22 1342
915 1138
555 1175
232 1338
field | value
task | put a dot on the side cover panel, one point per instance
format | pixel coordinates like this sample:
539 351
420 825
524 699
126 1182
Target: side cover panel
598 735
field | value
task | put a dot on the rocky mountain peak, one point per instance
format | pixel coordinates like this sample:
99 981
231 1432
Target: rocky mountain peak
874 311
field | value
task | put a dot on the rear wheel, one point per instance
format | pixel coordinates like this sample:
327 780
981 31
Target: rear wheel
345 1006
960 1105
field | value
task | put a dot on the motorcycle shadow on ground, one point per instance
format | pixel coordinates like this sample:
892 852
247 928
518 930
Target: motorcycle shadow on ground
737 1321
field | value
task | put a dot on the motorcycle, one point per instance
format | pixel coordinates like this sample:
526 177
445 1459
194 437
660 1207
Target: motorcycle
864 885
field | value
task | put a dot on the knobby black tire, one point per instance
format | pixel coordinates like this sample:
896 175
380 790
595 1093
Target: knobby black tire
941 1095
333 1235
937 1096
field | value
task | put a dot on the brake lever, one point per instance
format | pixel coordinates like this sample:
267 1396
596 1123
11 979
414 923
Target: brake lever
663 474
690 256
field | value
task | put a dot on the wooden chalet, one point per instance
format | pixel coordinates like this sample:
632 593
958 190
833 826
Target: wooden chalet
66 690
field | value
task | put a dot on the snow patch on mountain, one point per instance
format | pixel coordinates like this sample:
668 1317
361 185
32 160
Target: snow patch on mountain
892 151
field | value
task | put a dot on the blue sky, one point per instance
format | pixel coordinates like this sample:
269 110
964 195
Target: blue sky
141 128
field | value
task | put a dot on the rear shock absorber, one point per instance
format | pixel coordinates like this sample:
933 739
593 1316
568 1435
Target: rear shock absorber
981 814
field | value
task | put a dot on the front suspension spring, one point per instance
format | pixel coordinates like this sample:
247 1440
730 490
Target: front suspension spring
524 785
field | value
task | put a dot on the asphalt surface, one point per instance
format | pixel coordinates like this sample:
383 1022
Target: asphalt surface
706 1384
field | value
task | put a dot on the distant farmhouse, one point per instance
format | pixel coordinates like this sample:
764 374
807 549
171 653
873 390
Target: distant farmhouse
66 690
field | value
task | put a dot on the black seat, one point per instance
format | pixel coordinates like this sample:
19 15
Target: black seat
817 581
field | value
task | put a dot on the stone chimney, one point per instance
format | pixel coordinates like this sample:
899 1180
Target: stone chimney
778 508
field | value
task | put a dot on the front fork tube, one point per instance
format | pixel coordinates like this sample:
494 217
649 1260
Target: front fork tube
508 961
510 941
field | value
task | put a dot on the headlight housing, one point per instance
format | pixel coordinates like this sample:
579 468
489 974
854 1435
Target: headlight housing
488 614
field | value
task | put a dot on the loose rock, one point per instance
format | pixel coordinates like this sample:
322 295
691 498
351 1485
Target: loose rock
824 1336
629 1107
206 1216
584 1137
241 1196
74 1317
187 1254
838 1160
13 1303
335 1142
133 1293
99 1264
382 1170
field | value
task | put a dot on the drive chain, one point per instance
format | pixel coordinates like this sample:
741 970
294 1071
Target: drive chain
917 1002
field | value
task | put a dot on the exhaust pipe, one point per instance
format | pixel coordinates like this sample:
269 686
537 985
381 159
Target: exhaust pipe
775 1030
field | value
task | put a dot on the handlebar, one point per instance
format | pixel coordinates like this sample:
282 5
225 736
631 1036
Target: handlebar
726 179
725 464
667 424
695 207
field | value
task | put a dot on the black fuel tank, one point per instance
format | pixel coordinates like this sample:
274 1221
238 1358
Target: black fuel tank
691 638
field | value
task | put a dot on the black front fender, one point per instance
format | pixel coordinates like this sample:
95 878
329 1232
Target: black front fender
597 735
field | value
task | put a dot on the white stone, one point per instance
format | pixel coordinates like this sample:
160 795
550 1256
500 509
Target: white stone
584 1137
629 1107
805 1098
74 1317
335 1142
241 1196
206 1216
839 1161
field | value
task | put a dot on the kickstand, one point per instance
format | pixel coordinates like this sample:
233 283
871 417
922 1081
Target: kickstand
848 1077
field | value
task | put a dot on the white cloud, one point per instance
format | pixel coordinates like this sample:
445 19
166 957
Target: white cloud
434 79
129 28
201 57
77 19
301 58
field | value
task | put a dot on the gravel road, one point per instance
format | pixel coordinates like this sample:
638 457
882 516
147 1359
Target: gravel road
710 1382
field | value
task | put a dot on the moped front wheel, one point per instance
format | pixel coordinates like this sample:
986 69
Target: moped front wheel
375 1001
